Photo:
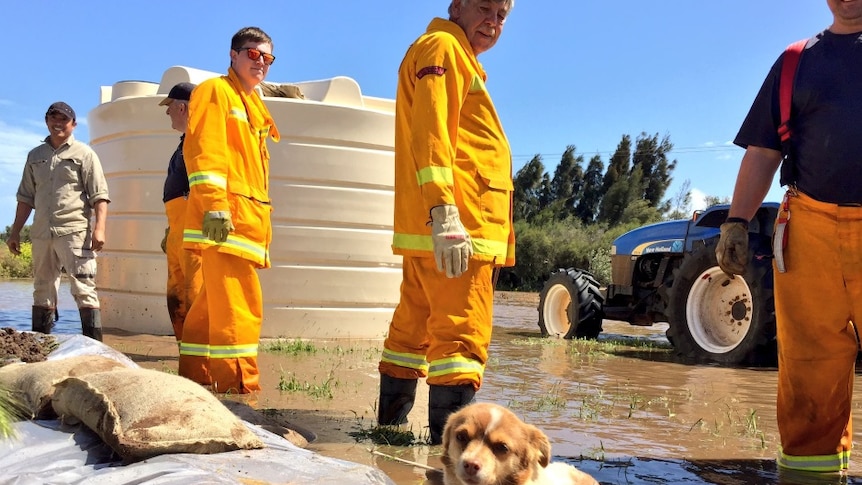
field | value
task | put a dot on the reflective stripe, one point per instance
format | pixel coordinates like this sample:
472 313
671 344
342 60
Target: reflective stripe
403 359
233 241
238 113
207 178
412 241
455 365
440 175
816 463
486 247
219 351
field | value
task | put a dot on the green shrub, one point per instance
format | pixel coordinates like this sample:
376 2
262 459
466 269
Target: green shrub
12 266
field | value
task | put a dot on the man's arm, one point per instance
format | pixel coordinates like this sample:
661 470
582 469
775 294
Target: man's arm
756 173
101 211
22 213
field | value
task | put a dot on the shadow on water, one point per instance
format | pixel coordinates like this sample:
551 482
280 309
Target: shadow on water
641 470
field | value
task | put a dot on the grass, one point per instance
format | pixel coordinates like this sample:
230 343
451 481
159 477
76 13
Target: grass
323 390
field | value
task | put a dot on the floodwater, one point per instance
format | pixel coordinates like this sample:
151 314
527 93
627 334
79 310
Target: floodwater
621 408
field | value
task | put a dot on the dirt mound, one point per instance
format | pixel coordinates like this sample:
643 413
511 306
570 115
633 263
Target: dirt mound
18 346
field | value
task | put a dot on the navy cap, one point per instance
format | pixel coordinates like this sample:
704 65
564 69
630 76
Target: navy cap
182 92
61 108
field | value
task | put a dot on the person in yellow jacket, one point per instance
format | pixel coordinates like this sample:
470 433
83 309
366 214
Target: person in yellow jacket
228 218
184 275
453 216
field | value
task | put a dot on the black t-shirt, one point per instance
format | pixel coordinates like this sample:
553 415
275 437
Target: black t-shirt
826 118
177 181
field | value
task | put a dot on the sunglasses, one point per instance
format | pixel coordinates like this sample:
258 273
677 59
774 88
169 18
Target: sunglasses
255 54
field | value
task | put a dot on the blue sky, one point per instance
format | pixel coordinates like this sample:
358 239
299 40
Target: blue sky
565 72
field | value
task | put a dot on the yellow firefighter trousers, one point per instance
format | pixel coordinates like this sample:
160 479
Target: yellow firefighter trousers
222 329
441 328
184 267
815 302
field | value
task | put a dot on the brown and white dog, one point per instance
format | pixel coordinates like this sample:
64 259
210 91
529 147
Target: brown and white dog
486 444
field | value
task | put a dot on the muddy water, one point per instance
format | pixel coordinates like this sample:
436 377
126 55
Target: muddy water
621 409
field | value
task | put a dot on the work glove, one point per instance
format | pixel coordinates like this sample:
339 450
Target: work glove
165 240
217 225
452 245
732 249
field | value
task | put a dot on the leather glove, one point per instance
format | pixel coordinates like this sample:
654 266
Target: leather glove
217 225
732 249
165 240
452 245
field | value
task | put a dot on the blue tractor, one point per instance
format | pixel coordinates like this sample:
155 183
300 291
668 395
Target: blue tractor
667 272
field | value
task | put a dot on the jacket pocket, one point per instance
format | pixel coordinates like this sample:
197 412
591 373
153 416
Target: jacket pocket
494 198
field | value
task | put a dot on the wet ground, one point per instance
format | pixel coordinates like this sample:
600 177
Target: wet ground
620 408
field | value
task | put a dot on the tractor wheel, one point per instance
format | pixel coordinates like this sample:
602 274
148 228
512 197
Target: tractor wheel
570 305
714 317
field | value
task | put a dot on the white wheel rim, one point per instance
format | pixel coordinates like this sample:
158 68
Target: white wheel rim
719 311
557 301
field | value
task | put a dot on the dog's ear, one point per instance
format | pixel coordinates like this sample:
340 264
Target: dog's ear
541 444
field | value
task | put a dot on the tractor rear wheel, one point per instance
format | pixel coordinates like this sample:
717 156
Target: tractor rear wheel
570 305
718 318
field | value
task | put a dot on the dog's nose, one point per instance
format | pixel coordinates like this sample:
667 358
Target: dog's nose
472 467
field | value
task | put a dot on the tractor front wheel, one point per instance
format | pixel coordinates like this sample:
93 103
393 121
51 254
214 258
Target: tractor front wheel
570 305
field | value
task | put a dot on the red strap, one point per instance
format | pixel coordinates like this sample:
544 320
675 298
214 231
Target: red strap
785 86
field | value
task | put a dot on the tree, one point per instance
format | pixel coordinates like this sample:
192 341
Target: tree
618 166
528 189
681 202
591 196
711 200
651 155
568 181
25 233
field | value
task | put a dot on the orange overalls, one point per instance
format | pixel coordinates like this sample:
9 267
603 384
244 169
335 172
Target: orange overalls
449 149
184 275
228 166
816 300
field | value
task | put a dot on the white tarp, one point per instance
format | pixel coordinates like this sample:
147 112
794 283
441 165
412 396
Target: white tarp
48 452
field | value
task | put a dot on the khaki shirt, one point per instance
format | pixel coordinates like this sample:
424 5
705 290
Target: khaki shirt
62 186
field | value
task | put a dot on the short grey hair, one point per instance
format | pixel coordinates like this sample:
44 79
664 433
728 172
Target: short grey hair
509 3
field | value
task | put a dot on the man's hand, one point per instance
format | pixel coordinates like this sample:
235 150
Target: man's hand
732 249
452 245
14 243
165 240
217 225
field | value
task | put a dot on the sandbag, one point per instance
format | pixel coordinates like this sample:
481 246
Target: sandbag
33 383
141 413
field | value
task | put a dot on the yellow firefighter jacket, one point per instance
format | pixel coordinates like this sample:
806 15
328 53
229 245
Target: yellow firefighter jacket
228 166
450 148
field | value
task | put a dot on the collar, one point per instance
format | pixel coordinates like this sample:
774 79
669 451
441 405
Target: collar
442 25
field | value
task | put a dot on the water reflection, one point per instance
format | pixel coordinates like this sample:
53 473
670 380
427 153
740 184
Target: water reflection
632 415
16 303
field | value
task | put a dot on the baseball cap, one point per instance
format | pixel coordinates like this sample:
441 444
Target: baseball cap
62 108
182 92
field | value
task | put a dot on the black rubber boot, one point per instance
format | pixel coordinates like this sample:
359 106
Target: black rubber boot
91 323
443 401
396 400
43 319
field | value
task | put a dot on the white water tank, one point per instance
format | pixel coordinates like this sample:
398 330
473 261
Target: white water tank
333 274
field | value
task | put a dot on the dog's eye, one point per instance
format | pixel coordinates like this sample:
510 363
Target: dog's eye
462 437
500 448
